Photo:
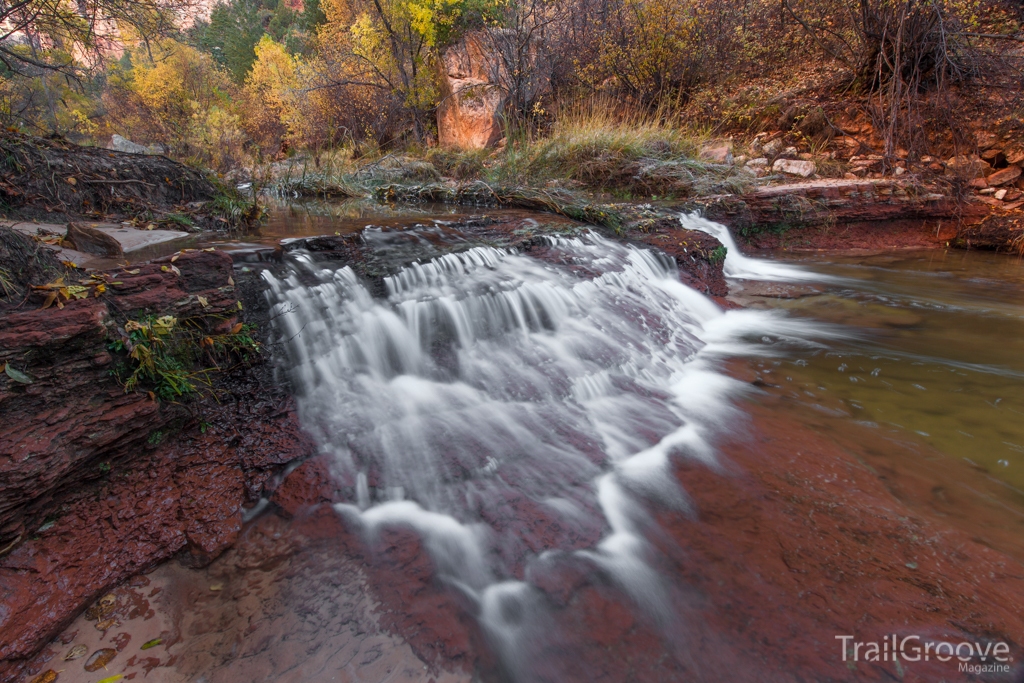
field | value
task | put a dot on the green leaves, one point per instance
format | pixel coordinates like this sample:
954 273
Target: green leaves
151 643
16 375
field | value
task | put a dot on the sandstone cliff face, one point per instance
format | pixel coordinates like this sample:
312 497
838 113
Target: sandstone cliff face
475 86
469 115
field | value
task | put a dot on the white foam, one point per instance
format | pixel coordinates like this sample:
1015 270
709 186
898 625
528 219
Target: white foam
746 267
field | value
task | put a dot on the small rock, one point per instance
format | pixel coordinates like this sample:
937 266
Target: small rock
851 176
741 160
772 148
1001 194
993 156
790 152
750 171
717 152
1007 175
760 162
967 166
986 139
988 190
1014 154
801 168
899 170
978 183
1013 195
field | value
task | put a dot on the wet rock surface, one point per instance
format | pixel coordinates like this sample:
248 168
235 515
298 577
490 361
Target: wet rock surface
98 483
376 253
791 542
290 602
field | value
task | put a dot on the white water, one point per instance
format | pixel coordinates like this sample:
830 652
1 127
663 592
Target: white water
745 267
490 387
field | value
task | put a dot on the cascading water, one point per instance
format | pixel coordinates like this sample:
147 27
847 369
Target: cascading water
745 267
491 387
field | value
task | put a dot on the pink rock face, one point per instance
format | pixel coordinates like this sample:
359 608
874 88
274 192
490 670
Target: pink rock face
473 97
469 113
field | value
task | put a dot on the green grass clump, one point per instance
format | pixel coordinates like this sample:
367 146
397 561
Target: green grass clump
174 359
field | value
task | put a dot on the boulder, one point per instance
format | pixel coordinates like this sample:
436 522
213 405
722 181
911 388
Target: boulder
123 144
968 166
772 148
993 156
472 98
719 152
1007 175
986 140
92 241
804 169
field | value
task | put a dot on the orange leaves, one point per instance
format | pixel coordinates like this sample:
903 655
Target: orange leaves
58 292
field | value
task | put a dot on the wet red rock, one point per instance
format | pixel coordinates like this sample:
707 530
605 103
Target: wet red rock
125 496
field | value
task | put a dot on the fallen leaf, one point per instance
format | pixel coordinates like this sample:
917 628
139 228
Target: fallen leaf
110 679
100 289
100 659
16 375
240 305
203 302
152 396
72 181
176 271
108 600
106 624
231 281
69 264
150 226
48 676
50 298
175 257
76 652
151 643
56 284
208 249
136 271
216 587
164 324
236 328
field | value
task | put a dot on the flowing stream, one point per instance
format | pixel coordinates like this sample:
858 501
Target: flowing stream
567 379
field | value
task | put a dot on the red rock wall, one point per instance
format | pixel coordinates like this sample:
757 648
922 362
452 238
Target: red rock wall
120 480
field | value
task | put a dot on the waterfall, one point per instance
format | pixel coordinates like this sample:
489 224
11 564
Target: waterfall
490 386
745 267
